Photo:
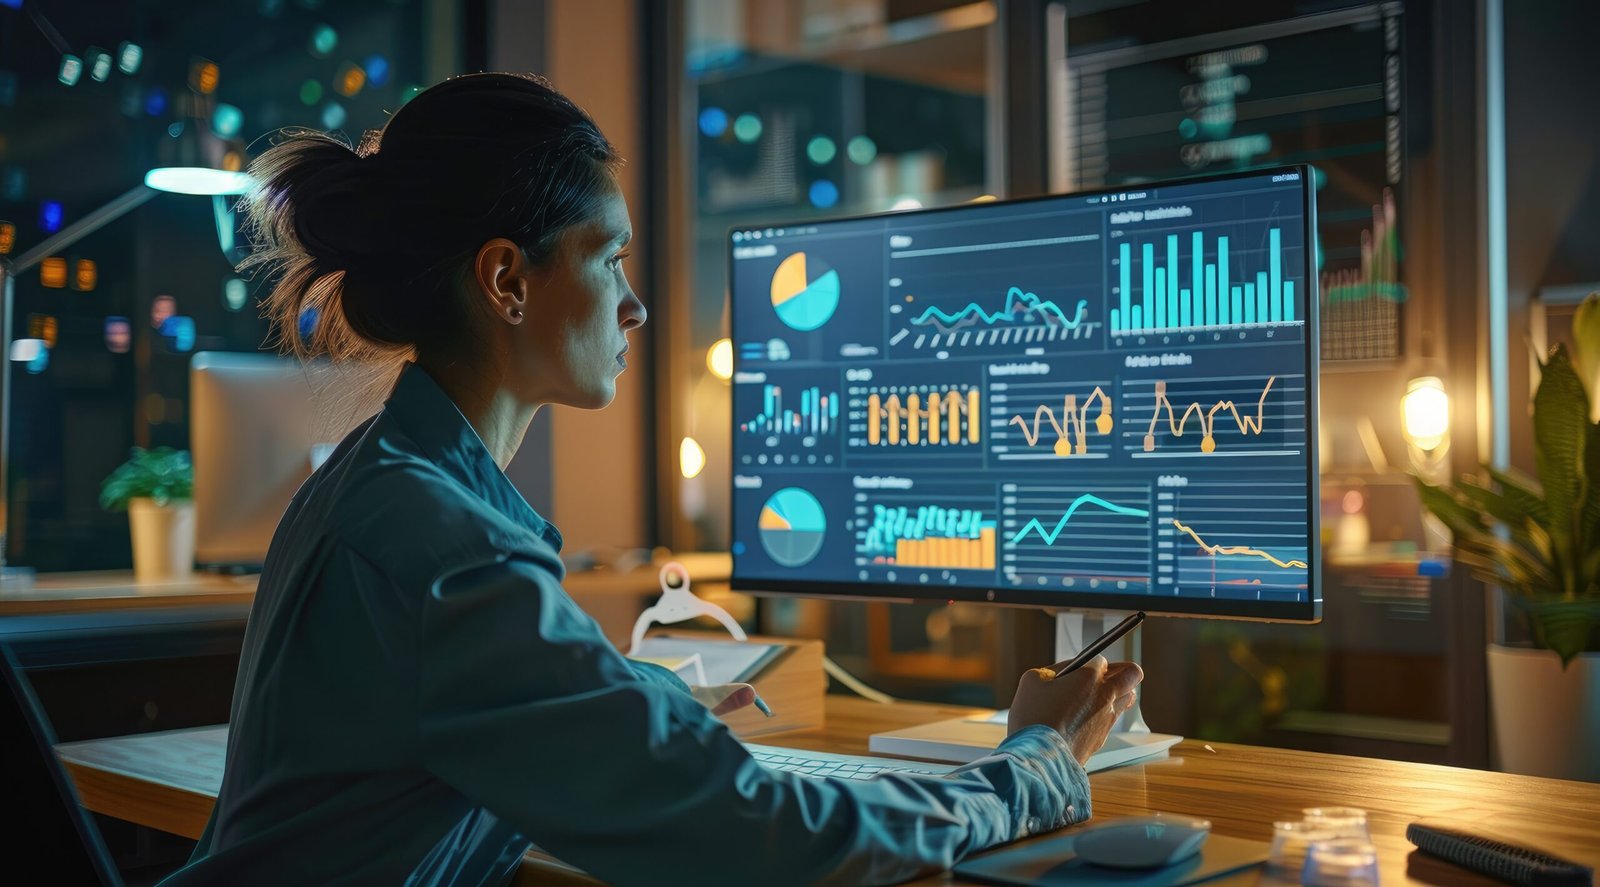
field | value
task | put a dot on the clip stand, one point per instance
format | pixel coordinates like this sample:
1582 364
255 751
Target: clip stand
678 604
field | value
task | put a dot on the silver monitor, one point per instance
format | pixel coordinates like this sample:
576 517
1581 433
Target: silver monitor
259 425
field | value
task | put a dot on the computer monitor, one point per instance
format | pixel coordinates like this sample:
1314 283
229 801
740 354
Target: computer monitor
259 424
1099 401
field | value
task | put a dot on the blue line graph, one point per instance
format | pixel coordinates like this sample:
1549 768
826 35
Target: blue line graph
1050 536
1029 303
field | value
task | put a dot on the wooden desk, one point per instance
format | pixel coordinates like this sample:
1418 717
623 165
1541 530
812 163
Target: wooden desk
81 592
170 781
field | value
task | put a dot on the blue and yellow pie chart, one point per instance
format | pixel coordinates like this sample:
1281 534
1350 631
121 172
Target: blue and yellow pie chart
805 292
792 527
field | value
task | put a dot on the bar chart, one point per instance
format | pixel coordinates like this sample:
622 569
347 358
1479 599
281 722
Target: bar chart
933 536
817 413
1163 290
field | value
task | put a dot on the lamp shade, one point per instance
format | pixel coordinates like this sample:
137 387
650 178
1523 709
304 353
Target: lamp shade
197 180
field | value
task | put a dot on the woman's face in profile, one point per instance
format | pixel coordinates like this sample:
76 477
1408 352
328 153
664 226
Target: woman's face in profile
572 345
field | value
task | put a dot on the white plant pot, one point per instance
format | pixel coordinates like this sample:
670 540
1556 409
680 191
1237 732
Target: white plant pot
163 540
1545 719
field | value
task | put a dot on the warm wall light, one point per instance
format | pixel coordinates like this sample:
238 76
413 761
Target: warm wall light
1426 411
691 457
720 359
53 272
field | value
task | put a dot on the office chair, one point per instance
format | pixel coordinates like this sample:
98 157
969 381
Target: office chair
49 826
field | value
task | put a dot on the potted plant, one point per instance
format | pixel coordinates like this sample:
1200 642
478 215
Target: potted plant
1539 540
156 488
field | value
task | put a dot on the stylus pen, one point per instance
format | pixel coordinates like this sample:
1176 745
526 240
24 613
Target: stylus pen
1104 641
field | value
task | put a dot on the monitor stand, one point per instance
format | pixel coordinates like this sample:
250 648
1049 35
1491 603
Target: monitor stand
962 740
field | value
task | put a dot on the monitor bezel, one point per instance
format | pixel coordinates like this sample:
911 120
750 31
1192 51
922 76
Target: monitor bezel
1306 612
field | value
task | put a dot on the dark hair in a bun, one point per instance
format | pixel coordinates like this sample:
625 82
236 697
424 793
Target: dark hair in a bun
376 239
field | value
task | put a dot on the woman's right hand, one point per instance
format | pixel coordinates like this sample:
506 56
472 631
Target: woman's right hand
1081 705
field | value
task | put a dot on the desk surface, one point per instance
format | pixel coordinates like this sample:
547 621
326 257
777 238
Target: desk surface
170 780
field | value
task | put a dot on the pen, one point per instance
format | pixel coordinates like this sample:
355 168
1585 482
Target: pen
1104 641
761 705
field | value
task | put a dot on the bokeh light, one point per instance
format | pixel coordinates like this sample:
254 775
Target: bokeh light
180 329
44 328
861 150
129 57
409 93
204 75
747 128
324 40
227 120
308 323
350 80
235 293
823 194
713 122
50 216
310 93
85 276
119 335
155 101
821 150
907 203
53 272
175 128
719 359
8 238
377 70
71 69
333 116
99 63
162 308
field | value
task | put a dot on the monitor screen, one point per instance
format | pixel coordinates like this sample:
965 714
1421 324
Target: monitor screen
1099 400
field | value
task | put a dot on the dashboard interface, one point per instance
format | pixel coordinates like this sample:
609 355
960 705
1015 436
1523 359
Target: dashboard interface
1090 400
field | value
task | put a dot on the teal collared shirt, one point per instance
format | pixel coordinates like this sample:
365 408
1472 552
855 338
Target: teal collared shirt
419 701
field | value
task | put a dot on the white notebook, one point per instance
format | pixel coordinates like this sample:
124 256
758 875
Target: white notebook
963 740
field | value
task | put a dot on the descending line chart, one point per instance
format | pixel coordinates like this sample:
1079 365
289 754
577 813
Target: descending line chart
1240 540
1069 537
1051 420
1214 417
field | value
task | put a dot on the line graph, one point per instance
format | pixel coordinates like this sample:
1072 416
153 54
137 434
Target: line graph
1240 539
1079 427
1231 416
1074 538
1027 305
1023 318
1214 550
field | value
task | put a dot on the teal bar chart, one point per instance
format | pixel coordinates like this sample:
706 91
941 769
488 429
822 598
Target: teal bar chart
1212 291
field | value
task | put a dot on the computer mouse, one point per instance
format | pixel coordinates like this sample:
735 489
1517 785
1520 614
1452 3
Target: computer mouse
1142 842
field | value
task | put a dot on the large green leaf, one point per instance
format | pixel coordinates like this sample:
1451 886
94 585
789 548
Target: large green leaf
1522 491
1567 627
1560 435
1586 344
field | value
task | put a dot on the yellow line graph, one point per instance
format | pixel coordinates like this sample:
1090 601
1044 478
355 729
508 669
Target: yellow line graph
1236 549
1073 438
889 421
1208 418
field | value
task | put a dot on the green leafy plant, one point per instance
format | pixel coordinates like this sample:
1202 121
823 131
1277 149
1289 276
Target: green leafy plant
162 474
1539 538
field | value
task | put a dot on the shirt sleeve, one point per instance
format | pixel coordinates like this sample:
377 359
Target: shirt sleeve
525 708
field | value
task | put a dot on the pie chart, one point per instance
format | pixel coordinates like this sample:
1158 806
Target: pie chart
792 526
805 292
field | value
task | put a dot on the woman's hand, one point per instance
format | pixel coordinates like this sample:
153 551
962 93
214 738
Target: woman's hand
1081 705
723 698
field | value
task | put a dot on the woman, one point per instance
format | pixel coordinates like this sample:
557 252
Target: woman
418 699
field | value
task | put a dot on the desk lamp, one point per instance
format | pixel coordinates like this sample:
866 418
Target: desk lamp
195 179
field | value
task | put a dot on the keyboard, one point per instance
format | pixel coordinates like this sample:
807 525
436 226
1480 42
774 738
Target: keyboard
821 764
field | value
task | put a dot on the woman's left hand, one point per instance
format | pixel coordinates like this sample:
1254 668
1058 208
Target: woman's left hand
724 698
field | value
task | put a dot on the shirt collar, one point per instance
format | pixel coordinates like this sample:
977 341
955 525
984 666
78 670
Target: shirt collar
430 418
